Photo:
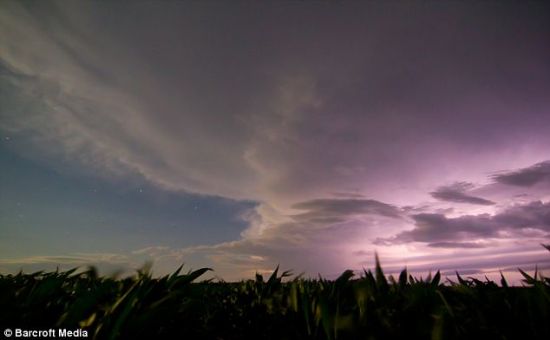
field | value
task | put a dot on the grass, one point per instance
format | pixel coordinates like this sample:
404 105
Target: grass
371 306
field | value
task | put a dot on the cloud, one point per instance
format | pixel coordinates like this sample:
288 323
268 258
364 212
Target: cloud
535 215
437 227
443 232
208 116
456 193
526 177
456 245
217 107
327 226
338 209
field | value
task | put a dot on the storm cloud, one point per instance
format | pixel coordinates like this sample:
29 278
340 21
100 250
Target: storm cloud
443 232
526 177
457 193
335 208
455 245
325 119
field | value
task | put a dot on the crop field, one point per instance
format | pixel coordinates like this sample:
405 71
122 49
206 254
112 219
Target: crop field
367 306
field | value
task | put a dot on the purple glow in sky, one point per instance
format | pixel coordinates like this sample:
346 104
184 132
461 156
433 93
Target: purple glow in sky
307 134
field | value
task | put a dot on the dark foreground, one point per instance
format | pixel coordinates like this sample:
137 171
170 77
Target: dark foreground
369 307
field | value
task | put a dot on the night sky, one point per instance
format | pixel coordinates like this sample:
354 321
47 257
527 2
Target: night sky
244 135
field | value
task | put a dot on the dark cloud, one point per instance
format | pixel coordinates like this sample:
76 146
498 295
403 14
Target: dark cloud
335 210
437 227
457 193
526 177
455 245
443 232
534 215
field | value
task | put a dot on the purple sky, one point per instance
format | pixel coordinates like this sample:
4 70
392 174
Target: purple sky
308 134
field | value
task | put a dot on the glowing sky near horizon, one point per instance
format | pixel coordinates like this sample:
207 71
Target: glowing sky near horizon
245 135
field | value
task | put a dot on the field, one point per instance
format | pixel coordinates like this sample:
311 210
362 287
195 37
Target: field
370 306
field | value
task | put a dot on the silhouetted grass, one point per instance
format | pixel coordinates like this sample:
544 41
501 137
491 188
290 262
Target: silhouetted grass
371 306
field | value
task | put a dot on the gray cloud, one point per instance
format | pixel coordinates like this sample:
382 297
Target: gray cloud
443 232
526 177
437 227
456 245
533 215
457 193
238 116
341 208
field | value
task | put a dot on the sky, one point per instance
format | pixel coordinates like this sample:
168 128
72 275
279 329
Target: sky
244 135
